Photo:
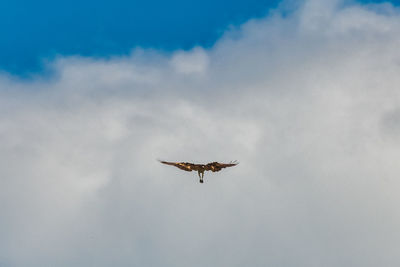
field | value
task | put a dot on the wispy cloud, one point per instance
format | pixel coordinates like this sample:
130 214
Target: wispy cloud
307 102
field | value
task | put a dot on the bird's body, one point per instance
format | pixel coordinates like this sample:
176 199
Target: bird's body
200 168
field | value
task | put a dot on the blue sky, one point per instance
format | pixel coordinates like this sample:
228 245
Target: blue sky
35 30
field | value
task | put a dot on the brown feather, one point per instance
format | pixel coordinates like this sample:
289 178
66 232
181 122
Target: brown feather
213 166
181 165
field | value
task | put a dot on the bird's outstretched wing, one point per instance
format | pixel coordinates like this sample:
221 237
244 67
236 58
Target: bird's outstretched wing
216 166
181 165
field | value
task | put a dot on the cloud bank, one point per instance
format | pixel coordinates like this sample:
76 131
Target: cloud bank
308 102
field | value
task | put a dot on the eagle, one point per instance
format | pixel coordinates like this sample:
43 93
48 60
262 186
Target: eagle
201 168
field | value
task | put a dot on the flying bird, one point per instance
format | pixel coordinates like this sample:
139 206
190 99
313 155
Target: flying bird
200 168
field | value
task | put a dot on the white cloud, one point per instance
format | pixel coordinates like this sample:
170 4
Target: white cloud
308 103
194 61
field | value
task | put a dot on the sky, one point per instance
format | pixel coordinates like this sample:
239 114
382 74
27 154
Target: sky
303 94
34 32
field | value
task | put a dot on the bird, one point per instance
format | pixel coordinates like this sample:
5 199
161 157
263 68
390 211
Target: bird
201 168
